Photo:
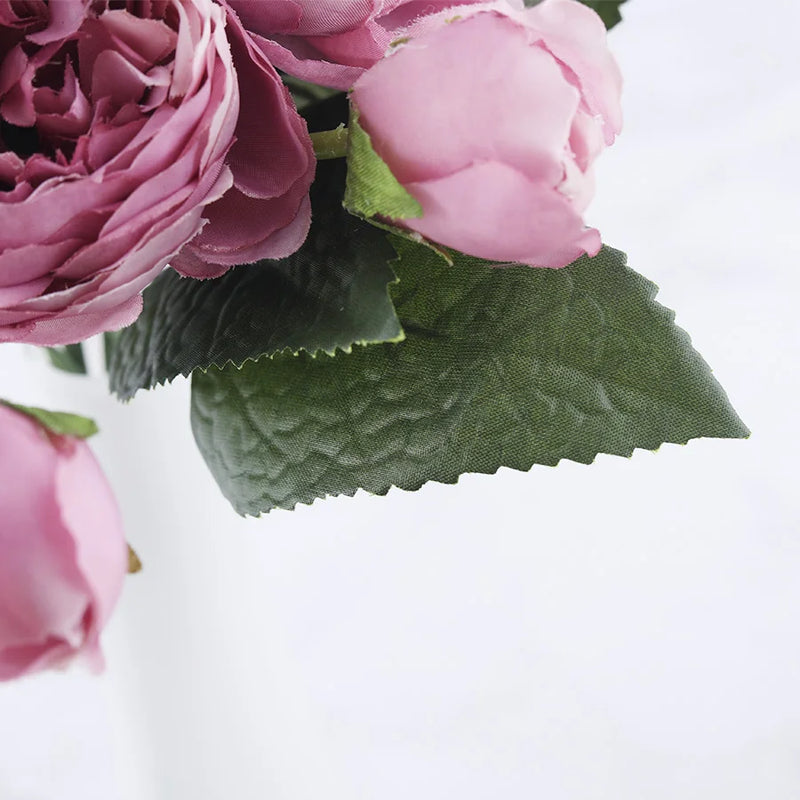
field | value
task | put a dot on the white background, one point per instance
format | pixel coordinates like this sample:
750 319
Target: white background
625 630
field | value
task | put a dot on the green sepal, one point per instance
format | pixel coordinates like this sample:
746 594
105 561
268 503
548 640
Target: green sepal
372 190
58 422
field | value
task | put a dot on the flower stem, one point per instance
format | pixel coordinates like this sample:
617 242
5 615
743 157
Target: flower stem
330 144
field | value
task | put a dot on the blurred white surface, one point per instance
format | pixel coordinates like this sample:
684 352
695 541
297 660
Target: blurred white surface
626 630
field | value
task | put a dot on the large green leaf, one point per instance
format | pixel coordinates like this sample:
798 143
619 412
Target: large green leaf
501 367
331 294
607 9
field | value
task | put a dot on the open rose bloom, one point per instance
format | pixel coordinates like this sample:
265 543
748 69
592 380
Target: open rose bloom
122 140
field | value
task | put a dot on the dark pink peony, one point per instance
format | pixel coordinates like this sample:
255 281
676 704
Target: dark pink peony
63 556
117 130
331 42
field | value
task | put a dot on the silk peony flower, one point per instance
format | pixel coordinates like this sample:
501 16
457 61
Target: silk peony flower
491 119
117 122
331 42
63 556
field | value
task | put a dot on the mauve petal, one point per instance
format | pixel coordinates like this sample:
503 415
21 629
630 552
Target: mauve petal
115 77
243 229
332 42
359 48
108 141
279 243
12 69
143 42
65 19
57 330
289 57
310 17
189 265
12 295
17 101
275 16
190 49
273 150
52 206
511 218
65 124
175 180
143 264
10 167
32 261
403 13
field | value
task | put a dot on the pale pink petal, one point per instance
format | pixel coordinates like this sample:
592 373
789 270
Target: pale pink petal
43 597
396 93
510 218
90 513
576 35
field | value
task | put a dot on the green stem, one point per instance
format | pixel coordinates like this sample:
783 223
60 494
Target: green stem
330 144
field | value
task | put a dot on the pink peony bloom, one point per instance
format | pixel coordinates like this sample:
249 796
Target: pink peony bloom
331 42
116 129
63 556
491 118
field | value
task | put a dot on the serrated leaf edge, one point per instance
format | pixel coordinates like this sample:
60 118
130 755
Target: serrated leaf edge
313 353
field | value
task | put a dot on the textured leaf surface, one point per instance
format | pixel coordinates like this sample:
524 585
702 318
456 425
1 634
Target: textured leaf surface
58 422
331 294
68 358
501 367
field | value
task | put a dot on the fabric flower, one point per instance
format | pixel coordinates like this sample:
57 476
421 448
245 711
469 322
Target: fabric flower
330 42
117 122
491 119
63 556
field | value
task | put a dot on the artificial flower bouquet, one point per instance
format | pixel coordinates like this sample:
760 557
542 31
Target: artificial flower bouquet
358 225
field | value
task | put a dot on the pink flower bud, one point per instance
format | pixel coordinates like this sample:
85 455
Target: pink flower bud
63 555
491 118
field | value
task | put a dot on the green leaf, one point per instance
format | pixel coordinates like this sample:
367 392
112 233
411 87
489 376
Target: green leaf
501 367
58 422
372 189
331 294
607 9
68 359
